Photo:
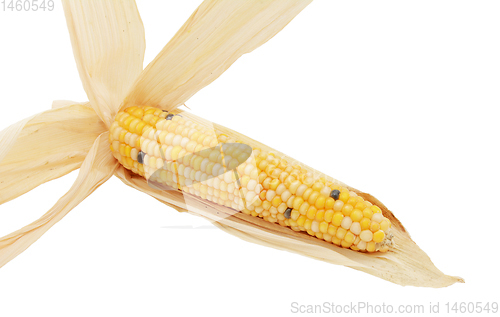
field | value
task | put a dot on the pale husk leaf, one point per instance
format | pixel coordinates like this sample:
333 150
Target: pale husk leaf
98 166
211 40
108 44
404 264
44 147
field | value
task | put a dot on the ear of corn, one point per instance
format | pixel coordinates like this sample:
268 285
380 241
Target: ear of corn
176 152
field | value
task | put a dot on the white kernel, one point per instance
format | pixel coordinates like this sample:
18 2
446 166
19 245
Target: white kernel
169 138
325 191
204 177
146 160
355 228
361 245
352 194
228 177
300 190
248 169
197 176
270 195
366 235
258 188
286 195
127 138
280 189
157 150
315 226
187 172
216 169
216 183
133 140
204 164
168 153
151 148
346 223
159 163
144 144
151 134
177 140
251 184
377 217
133 154
339 204
250 197
184 142
116 133
210 182
282 208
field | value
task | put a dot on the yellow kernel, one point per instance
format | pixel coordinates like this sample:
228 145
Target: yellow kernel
344 196
345 244
303 208
297 202
367 212
349 237
276 201
312 198
375 209
378 236
320 215
374 226
329 215
301 220
318 186
307 224
329 203
365 223
274 184
311 212
337 218
320 202
323 227
370 246
307 193
341 232
347 209
360 205
356 215
332 230
352 201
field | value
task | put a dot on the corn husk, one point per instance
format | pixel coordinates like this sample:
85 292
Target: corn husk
211 40
97 168
108 44
405 264
27 160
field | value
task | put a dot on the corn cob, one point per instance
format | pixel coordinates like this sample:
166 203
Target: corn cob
167 148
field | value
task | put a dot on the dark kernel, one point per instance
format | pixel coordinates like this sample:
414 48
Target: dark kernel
335 194
169 116
288 213
165 110
140 157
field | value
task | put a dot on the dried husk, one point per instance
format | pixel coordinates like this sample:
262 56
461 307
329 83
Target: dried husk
98 166
405 264
45 146
211 40
108 44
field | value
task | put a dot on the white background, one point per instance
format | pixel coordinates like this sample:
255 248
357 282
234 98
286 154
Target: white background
396 98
